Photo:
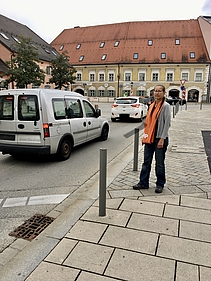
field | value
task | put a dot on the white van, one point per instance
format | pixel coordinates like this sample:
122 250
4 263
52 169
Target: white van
45 121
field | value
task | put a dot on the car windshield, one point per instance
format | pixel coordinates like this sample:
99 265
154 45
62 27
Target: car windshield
126 101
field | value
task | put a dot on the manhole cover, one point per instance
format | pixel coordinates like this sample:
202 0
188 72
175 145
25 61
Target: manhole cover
32 227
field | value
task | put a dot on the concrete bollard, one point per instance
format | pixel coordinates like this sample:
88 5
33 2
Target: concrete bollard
136 145
102 182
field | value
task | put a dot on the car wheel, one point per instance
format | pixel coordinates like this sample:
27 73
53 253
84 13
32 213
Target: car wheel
65 149
113 119
104 133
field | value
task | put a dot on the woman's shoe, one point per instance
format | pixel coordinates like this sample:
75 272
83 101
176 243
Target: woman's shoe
138 187
158 189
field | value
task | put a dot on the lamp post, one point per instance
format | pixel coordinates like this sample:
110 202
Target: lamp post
131 88
84 84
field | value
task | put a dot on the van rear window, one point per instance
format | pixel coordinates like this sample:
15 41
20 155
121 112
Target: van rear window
6 107
28 109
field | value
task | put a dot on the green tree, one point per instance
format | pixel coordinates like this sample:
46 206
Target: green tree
23 67
62 72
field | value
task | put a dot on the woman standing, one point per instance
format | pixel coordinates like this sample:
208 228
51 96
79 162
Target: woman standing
155 138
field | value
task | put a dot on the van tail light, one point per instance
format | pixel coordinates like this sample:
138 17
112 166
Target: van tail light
136 105
46 130
114 105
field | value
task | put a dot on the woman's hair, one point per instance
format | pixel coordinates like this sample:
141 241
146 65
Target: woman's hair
163 87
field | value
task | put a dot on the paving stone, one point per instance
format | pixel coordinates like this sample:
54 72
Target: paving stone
170 199
196 231
125 193
132 266
140 206
48 272
130 239
187 272
199 195
112 203
184 250
7 255
87 231
205 274
205 187
186 213
61 251
154 224
114 217
19 244
86 276
184 189
200 203
91 257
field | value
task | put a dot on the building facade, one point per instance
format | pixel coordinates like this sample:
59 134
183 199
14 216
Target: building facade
131 58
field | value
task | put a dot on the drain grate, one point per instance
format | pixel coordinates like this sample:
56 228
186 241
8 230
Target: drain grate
32 227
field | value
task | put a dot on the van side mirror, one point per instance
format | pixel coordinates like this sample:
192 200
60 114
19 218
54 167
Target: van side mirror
97 112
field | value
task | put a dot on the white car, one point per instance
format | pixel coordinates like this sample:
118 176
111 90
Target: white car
128 107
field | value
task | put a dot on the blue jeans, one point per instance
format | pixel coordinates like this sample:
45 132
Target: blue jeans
149 151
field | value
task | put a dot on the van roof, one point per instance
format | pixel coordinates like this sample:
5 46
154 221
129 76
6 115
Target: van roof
50 92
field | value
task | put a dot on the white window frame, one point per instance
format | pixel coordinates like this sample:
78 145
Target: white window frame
99 76
111 73
127 75
172 76
79 75
143 73
157 72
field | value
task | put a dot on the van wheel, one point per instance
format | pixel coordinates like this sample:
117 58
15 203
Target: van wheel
65 149
104 133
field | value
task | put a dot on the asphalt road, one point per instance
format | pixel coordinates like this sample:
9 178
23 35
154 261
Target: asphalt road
27 177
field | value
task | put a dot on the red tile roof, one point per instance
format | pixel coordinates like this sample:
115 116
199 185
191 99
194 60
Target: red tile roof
133 38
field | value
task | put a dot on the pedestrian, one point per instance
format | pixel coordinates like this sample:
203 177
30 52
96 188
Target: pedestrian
155 139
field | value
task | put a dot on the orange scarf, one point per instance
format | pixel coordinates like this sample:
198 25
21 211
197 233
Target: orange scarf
151 122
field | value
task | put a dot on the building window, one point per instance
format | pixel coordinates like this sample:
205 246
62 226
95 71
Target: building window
141 77
81 58
78 46
198 77
142 93
135 55
101 77
103 57
16 39
61 47
111 77
102 44
91 77
163 55
150 42
4 35
185 76
116 44
154 76
177 41
79 77
169 77
111 93
48 70
127 76
192 55
92 93
101 93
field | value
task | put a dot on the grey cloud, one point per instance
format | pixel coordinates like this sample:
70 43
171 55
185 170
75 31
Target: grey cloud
206 8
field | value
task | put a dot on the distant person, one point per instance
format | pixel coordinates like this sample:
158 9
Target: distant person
155 138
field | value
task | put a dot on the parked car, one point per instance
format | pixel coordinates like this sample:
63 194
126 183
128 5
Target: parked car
147 100
44 121
128 107
172 100
182 101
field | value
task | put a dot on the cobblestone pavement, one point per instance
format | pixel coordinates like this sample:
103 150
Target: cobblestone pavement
143 236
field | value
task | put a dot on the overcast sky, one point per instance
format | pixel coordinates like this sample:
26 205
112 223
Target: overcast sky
49 18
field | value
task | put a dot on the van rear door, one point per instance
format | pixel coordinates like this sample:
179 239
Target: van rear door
28 126
7 116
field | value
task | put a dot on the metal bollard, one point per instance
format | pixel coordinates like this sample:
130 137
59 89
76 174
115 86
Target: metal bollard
102 182
136 144
173 111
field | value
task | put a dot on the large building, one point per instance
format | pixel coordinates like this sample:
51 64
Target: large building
10 32
132 57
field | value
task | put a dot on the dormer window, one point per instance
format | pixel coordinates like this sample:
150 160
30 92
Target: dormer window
116 44
81 58
47 51
102 44
192 55
163 55
78 46
135 55
61 47
16 39
34 46
4 36
54 53
150 42
103 57
177 41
